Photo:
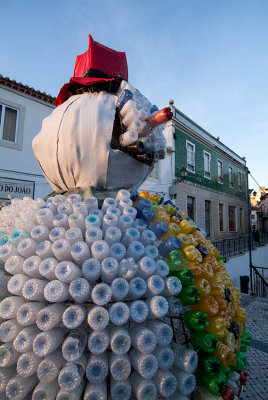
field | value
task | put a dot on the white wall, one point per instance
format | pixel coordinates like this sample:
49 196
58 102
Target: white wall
21 164
238 266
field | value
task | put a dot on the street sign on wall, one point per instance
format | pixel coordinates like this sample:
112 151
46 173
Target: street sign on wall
16 188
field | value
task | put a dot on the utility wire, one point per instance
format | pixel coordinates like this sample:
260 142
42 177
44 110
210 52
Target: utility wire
254 180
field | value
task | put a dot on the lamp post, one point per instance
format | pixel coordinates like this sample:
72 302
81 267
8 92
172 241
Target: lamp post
183 173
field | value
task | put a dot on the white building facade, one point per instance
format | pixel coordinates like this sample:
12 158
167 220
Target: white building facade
22 110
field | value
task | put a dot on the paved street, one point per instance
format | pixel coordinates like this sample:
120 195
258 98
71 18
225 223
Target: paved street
257 354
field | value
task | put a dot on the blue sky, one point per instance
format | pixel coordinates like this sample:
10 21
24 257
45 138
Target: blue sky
210 56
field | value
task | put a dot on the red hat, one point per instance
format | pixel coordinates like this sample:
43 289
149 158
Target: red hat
98 64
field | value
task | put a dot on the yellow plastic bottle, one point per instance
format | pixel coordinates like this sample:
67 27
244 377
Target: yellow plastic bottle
156 198
208 305
203 286
187 226
184 239
224 354
217 326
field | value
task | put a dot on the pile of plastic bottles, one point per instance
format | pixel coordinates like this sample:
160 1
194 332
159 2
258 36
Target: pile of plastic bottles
85 303
215 318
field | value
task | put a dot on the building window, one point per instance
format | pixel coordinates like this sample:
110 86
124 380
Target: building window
221 220
232 219
231 182
207 159
207 217
190 207
220 171
239 181
241 220
190 156
11 124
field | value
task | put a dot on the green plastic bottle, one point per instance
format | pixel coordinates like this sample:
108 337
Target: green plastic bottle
195 320
204 341
208 363
189 295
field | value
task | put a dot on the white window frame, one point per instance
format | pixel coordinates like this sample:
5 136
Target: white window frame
239 178
209 164
220 178
231 177
17 145
193 145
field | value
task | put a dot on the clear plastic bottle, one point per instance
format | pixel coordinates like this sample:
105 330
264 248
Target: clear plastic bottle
73 198
145 364
77 220
98 341
50 366
67 271
80 207
151 251
61 249
74 316
74 345
65 208
185 359
74 235
138 311
130 235
49 317
31 267
131 212
80 252
124 222
97 367
120 390
47 342
165 382
117 251
17 235
16 283
108 221
119 313
98 318
127 268
91 269
40 233
142 339
27 313
112 235
136 250
6 374
114 211
121 194
46 391
27 364
57 233
140 224
146 267
155 285
8 250
61 220
185 382
24 341
72 394
137 288
100 249
45 217
162 331
18 387
147 237
14 265
144 389
9 306
47 268
56 291
9 330
91 202
8 355
120 288
109 269
101 294
33 289
108 202
124 202
70 377
96 391
165 357
92 221
44 250
120 366
120 340
80 290
157 307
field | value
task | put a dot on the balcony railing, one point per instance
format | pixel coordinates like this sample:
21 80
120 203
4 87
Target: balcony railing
259 281
239 245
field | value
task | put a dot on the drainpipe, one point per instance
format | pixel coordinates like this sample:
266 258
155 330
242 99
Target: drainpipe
249 234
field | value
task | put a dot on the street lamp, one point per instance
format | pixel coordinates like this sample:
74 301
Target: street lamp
183 173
